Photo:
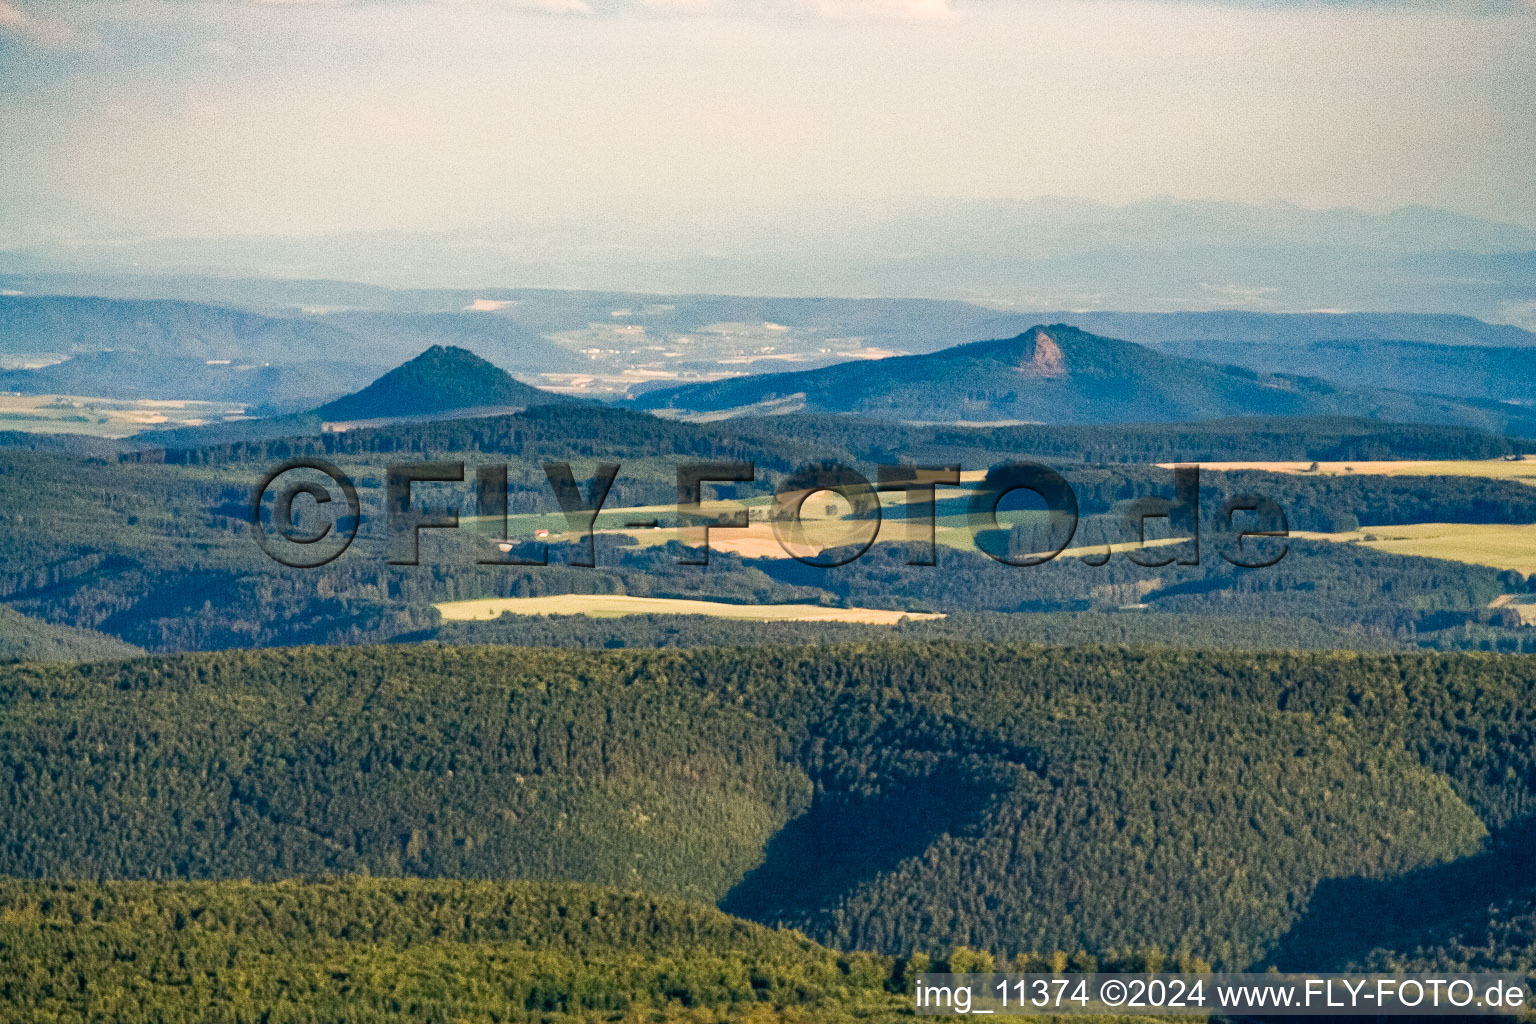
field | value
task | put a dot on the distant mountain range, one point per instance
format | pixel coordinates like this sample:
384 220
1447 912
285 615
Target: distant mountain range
440 381
168 328
1286 330
69 325
523 315
1044 253
1059 374
128 374
300 350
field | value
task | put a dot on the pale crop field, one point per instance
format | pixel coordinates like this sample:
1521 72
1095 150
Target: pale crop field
1523 470
757 540
1500 545
602 606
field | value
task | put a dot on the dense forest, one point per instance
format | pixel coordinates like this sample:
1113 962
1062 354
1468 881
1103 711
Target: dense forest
1133 627
1334 584
899 798
400 951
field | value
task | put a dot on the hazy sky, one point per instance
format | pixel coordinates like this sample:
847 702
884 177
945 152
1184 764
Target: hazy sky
295 117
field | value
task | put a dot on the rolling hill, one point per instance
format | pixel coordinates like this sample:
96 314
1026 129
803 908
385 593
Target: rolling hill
1288 329
1059 374
162 328
23 638
411 951
128 374
441 380
1089 798
180 331
118 551
1503 374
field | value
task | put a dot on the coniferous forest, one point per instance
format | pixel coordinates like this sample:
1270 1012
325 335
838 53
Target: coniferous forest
1215 805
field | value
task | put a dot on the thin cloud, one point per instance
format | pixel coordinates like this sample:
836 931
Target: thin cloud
546 6
900 10
53 30
45 30
551 6
832 10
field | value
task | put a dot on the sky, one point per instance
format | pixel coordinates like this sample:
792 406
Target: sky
208 118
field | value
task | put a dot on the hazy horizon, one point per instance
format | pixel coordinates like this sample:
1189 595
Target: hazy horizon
213 120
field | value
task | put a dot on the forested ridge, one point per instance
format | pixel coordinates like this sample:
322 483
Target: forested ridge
784 441
24 639
899 797
369 951
410 951
161 557
1319 501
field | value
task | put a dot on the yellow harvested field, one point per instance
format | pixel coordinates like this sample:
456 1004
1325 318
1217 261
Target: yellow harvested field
613 605
1523 470
1526 610
1500 545
757 540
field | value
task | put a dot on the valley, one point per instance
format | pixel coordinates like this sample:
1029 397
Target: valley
741 777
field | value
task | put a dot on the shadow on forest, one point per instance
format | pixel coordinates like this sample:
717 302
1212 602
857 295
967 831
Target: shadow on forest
847 839
1349 917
